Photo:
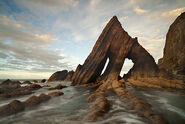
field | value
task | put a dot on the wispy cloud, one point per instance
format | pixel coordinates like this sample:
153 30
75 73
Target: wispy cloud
25 50
140 11
173 13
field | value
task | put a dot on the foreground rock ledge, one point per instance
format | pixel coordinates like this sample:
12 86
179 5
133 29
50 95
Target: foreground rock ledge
17 106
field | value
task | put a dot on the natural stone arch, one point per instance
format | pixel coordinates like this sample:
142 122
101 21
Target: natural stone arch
114 43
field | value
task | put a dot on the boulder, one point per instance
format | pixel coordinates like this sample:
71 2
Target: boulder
59 86
43 81
26 82
34 87
58 76
12 108
35 100
8 92
10 84
16 106
35 81
69 76
57 93
174 51
98 108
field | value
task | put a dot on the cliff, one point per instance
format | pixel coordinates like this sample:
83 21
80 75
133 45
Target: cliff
174 51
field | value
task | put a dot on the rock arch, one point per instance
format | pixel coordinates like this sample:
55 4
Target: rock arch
114 43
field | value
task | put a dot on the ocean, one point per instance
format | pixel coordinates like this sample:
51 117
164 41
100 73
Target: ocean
71 107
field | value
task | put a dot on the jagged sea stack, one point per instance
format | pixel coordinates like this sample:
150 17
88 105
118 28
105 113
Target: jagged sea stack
114 44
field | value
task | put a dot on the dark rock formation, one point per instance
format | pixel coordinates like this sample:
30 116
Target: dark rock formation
99 106
174 52
114 44
58 76
57 93
12 108
59 86
10 83
35 81
43 81
17 106
61 76
35 100
27 82
69 75
33 87
8 90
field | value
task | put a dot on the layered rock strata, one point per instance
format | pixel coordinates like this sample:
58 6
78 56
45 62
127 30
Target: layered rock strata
17 106
116 45
61 76
174 51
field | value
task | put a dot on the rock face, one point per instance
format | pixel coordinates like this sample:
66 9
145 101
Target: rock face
43 81
69 76
144 63
58 76
114 44
174 51
17 106
61 76
10 89
26 82
59 86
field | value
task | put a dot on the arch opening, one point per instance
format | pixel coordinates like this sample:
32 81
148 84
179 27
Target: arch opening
105 66
128 64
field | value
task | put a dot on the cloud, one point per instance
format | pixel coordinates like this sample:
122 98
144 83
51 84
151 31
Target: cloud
173 13
27 51
167 15
62 4
18 31
32 59
94 2
46 38
136 32
140 11
122 19
153 45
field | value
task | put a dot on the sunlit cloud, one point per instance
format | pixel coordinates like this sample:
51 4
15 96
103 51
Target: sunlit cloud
140 11
173 13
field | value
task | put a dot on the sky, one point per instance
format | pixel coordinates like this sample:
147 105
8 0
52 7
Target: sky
40 37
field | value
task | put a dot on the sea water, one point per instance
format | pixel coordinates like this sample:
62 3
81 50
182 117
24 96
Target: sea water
71 107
